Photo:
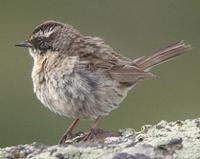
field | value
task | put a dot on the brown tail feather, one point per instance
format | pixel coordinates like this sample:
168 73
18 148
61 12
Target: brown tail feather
162 55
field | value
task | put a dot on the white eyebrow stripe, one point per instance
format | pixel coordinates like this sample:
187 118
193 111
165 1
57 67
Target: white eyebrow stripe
45 33
48 33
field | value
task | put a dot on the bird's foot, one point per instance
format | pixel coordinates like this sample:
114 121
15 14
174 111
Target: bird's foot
66 136
90 135
98 135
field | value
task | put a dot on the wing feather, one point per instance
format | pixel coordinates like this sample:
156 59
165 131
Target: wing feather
101 56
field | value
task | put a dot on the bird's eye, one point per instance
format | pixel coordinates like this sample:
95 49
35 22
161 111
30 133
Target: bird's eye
41 43
38 40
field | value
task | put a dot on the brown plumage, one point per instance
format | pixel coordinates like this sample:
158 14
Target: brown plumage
162 55
81 76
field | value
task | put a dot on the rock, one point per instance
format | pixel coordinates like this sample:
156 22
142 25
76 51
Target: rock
165 140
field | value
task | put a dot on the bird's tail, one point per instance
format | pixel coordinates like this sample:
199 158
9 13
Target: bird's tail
163 55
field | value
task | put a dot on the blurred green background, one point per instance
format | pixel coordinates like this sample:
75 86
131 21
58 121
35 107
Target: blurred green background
134 28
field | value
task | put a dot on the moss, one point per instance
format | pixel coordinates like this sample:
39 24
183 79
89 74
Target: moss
179 139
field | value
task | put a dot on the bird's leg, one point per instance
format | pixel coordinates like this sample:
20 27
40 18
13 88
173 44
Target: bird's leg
93 127
68 132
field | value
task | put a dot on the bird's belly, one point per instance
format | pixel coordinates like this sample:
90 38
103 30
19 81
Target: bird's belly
79 96
55 95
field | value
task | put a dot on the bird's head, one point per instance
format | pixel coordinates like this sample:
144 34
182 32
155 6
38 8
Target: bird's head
50 36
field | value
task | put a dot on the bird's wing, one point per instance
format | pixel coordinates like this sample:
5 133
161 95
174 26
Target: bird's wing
101 56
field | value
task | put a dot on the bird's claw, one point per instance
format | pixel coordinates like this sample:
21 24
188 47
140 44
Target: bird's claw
65 137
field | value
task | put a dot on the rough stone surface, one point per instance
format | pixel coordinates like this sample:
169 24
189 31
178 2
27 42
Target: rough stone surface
165 140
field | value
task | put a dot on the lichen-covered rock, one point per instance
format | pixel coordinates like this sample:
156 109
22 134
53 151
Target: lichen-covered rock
166 140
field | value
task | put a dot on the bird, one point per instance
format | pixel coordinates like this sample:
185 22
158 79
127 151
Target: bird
82 77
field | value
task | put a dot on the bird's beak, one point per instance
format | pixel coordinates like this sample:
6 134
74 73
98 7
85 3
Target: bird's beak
25 43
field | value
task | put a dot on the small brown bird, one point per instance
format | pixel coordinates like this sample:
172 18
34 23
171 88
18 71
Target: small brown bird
81 76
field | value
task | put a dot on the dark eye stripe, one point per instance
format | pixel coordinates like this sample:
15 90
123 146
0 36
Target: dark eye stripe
37 40
41 43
